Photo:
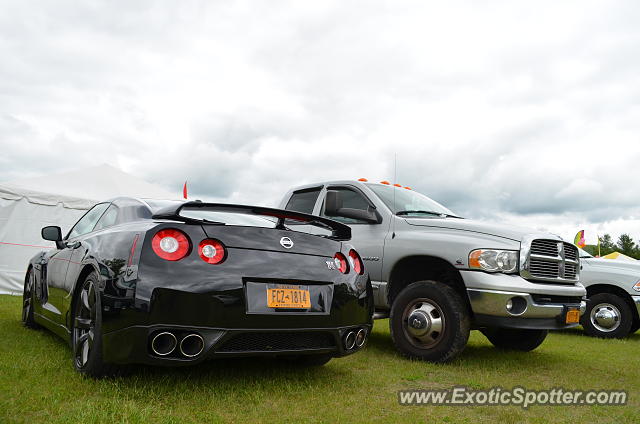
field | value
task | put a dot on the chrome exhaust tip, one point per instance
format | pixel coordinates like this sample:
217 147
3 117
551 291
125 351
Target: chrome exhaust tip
164 343
192 345
361 336
350 340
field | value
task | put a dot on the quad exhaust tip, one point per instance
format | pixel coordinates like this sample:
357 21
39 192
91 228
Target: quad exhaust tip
350 340
192 345
361 336
355 338
164 343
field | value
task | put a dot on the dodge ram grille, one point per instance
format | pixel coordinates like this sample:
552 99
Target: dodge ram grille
550 261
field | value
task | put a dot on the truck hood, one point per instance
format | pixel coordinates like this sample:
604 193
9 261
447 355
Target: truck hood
612 264
492 229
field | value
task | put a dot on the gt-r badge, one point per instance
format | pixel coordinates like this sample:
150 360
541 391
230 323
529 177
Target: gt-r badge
286 242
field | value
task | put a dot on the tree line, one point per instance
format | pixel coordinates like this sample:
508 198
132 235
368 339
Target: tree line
625 244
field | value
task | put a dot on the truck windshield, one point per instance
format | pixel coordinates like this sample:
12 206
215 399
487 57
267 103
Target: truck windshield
409 202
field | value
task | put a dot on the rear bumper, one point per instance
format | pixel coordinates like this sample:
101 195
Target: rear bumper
133 344
539 306
235 322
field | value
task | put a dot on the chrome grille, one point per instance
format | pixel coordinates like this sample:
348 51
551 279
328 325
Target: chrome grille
550 261
570 271
544 247
570 252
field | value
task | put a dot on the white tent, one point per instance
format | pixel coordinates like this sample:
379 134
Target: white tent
60 199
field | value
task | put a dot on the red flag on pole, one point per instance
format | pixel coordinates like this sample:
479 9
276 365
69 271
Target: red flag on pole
184 190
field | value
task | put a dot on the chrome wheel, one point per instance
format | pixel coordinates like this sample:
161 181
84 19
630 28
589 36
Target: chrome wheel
84 324
605 317
423 323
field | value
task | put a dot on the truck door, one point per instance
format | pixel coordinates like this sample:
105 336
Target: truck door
367 238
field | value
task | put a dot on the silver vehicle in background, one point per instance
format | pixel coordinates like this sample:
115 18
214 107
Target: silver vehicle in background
613 291
437 275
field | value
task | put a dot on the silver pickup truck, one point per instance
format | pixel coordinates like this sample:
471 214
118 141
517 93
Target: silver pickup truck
437 276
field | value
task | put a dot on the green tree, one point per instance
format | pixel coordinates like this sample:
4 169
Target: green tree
606 245
626 245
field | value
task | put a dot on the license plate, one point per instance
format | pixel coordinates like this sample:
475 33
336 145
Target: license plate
573 316
288 297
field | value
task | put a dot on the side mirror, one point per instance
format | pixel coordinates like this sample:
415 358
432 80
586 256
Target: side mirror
333 207
333 203
53 233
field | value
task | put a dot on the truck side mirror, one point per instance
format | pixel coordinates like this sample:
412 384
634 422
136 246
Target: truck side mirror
53 233
333 203
333 207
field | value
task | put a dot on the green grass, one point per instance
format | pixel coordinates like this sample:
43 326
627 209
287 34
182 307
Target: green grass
38 384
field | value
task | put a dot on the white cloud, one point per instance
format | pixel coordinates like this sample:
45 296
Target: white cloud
519 111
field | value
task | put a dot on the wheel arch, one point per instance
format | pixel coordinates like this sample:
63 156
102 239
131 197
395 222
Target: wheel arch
425 267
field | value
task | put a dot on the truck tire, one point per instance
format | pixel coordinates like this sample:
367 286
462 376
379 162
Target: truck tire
429 321
524 340
607 316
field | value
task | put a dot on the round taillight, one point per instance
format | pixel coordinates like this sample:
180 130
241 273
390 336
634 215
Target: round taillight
170 244
212 251
356 262
341 263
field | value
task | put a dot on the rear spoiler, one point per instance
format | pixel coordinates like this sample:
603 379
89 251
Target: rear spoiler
339 231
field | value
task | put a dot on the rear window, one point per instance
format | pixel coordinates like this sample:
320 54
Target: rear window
228 218
303 200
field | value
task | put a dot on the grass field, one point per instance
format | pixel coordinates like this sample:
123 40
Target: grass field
38 384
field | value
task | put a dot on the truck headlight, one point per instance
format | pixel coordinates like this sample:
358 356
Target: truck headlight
494 260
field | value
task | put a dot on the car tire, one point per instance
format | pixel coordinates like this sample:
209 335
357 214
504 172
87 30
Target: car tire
28 301
86 332
524 340
607 316
309 360
429 321
635 327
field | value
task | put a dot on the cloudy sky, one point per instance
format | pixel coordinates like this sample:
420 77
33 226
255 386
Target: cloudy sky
523 112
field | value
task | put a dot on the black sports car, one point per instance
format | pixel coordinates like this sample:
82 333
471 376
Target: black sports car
174 283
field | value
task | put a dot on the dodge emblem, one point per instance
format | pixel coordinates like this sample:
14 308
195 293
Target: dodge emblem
286 242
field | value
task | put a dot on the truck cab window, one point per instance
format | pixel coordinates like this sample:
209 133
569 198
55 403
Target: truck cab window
350 199
303 200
